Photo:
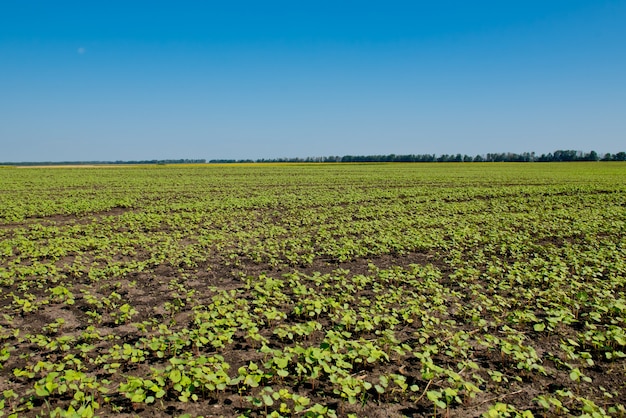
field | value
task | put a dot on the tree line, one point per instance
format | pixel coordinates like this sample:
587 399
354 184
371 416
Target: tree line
556 156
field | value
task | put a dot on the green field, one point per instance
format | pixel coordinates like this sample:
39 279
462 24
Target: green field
374 290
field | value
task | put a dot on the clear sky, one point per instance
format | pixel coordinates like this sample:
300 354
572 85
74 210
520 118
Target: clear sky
127 80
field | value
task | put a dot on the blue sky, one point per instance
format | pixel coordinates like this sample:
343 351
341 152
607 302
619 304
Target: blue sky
125 80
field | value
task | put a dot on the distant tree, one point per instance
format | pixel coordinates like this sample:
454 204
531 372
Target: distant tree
620 156
494 157
545 157
565 155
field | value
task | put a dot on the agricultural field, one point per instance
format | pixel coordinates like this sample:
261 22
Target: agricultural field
314 290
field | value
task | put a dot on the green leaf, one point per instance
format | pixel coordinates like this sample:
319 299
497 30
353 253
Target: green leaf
175 376
433 395
138 397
